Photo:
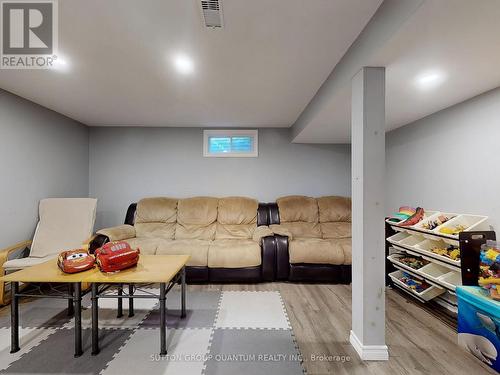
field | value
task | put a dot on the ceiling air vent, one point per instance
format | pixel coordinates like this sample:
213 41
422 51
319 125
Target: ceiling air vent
212 12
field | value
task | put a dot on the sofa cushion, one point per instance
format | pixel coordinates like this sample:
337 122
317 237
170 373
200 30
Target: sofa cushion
196 218
147 246
197 249
236 218
316 250
65 224
197 210
234 231
237 210
334 208
301 229
298 208
336 230
155 230
346 245
20 263
234 254
156 210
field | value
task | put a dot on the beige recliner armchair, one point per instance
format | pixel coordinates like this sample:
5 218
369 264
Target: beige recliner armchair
64 223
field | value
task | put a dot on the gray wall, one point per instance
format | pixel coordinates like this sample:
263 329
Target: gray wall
42 154
449 160
127 164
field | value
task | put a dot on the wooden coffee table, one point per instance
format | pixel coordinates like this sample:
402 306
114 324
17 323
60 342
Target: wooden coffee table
47 272
163 269
167 270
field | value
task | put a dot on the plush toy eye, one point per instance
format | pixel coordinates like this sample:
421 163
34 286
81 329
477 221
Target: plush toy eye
76 256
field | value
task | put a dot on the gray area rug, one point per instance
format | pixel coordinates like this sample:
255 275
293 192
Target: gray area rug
223 333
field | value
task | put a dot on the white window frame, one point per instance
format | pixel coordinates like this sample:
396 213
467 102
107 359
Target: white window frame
230 133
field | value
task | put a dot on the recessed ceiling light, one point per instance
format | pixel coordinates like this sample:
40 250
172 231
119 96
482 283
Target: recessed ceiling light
430 79
61 63
183 64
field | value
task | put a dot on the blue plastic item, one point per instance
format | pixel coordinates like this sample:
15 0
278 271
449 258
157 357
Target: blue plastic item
479 324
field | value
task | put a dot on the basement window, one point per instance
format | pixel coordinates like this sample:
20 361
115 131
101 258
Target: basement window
230 143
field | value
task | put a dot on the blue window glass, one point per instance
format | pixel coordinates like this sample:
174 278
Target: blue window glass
237 144
219 145
241 144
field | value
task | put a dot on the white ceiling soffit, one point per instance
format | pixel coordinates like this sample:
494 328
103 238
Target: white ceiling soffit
156 63
454 42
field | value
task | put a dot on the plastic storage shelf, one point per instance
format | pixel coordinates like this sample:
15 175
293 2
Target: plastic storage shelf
442 272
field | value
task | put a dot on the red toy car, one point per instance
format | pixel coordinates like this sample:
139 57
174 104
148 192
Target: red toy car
116 256
73 261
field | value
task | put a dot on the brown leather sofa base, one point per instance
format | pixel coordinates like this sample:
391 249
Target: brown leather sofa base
317 273
196 275
235 275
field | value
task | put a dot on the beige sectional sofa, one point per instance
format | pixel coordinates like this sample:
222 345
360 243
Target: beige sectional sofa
223 236
313 238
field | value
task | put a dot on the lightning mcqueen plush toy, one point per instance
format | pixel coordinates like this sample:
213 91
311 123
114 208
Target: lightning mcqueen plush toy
74 261
116 256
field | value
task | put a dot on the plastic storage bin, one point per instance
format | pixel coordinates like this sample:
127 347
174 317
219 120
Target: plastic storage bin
426 295
411 241
479 324
451 280
468 222
425 247
434 271
398 237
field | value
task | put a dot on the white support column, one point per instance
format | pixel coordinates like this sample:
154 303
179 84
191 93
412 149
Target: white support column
368 175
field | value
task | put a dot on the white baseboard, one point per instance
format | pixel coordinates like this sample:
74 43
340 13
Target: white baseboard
369 352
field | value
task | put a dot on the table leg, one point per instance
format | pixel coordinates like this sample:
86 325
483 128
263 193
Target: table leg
130 300
183 292
95 319
120 302
77 298
14 318
163 318
71 309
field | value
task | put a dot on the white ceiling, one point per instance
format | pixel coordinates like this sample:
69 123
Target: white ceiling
459 38
260 70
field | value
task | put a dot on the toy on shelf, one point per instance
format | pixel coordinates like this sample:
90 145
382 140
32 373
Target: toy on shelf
417 285
489 268
452 252
433 224
414 262
414 219
455 230
404 213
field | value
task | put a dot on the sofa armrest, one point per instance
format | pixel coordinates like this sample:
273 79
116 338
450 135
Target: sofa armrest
121 232
282 257
5 253
261 232
281 230
268 246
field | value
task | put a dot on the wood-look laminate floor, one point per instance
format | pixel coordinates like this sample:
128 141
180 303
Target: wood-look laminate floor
320 315
419 343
